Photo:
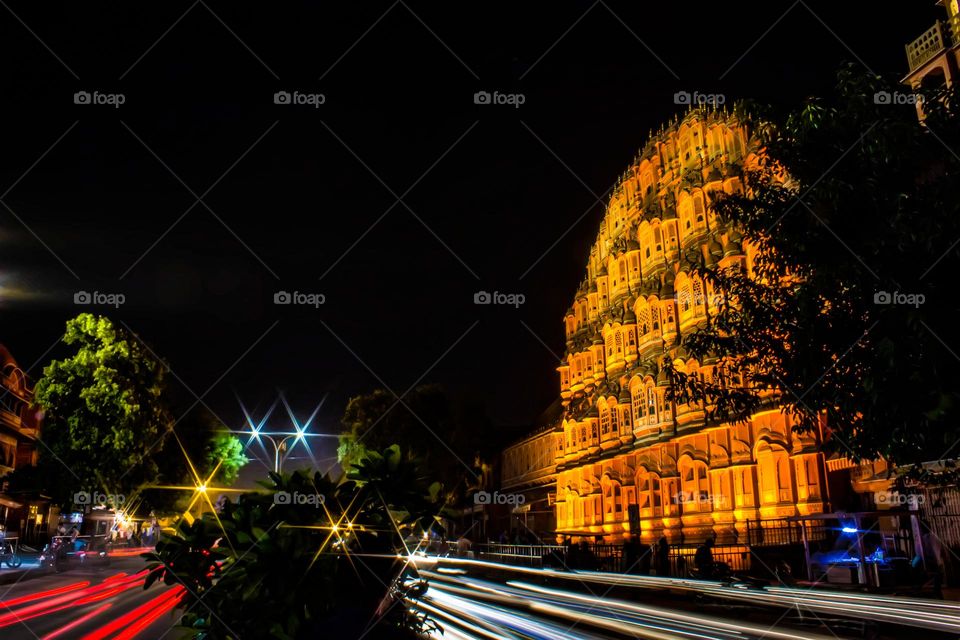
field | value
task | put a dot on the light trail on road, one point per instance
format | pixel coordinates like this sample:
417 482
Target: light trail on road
105 607
515 588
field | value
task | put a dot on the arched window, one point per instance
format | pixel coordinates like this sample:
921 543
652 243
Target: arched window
699 301
699 211
686 214
671 228
694 485
685 299
653 404
604 417
638 401
655 316
643 319
669 319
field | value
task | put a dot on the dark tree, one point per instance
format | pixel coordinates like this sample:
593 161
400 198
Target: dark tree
850 319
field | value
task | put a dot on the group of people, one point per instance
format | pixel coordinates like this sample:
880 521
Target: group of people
641 560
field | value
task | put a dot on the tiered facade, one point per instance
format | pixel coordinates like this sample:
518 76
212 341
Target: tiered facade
625 455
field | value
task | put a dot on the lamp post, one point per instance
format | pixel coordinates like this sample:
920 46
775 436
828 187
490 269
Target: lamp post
279 439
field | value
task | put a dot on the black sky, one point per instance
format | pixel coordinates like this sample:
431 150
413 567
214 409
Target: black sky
488 200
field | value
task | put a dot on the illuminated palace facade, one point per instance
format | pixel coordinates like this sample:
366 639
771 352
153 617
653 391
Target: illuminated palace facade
623 457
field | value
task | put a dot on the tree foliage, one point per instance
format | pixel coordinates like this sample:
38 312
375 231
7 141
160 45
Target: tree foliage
444 432
103 411
310 556
853 206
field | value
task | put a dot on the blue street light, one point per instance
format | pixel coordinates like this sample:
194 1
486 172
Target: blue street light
280 440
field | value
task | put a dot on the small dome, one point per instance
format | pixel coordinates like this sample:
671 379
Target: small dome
663 380
715 249
732 248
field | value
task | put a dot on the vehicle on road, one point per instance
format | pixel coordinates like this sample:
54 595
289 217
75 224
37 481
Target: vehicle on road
65 552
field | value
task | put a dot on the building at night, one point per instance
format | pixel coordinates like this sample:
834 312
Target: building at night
26 515
623 458
19 425
934 57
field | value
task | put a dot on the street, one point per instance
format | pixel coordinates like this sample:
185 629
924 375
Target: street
469 596
88 604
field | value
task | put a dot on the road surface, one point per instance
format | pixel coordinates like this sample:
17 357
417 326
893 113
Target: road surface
89 603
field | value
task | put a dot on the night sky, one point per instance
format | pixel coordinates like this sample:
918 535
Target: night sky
303 198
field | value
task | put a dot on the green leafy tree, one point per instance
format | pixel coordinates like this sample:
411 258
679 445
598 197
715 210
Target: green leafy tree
854 207
103 411
309 557
225 450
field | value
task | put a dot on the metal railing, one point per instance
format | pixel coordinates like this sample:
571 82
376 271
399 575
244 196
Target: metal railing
930 43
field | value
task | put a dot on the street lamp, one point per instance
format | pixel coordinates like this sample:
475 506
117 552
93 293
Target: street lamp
280 440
